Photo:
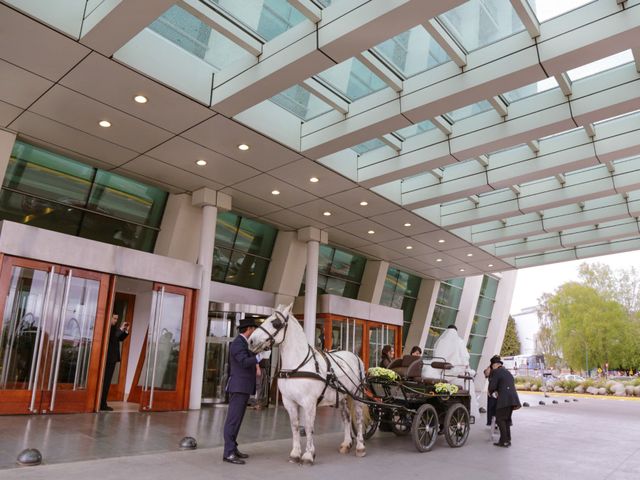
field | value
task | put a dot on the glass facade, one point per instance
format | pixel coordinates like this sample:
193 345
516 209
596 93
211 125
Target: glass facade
242 251
481 319
339 272
50 191
401 291
445 311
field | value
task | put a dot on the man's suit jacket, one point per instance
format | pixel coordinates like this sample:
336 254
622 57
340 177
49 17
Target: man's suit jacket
113 350
501 381
242 367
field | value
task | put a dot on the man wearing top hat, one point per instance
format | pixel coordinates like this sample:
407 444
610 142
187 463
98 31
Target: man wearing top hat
240 386
501 383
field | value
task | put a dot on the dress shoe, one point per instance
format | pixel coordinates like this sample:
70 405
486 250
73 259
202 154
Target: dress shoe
239 454
106 408
498 444
233 459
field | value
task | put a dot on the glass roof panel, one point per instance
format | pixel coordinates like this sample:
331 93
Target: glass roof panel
469 111
413 130
267 18
530 90
412 52
189 33
301 103
547 9
477 23
368 146
352 79
601 65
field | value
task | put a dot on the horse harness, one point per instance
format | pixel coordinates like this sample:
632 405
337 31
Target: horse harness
331 380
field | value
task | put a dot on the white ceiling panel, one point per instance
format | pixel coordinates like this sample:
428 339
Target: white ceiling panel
20 87
438 259
397 219
177 178
317 208
433 239
351 199
224 136
469 254
84 113
292 220
337 235
380 252
300 171
35 47
8 113
83 144
361 229
164 108
263 185
248 203
184 154
400 245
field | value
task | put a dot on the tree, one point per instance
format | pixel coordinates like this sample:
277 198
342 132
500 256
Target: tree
623 285
546 339
511 343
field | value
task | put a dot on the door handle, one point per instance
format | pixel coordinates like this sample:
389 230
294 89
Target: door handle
58 349
155 353
35 365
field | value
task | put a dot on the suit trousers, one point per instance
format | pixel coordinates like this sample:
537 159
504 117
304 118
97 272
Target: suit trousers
503 419
235 414
109 368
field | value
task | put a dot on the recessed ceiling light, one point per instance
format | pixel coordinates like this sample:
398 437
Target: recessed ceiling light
275 192
371 232
407 224
104 123
441 241
438 259
469 254
409 247
314 180
326 214
201 163
243 147
490 265
462 269
364 204
140 99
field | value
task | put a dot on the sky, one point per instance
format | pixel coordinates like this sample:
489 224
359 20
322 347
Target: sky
532 282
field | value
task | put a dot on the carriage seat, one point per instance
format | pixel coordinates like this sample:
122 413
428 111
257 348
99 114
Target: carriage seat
441 365
407 366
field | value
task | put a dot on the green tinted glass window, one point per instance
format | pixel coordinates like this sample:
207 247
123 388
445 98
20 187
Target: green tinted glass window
489 287
443 316
246 270
347 265
485 307
45 174
20 208
325 258
226 229
449 295
456 282
475 344
117 232
480 325
127 199
255 237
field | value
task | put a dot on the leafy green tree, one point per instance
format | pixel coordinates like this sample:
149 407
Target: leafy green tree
623 285
511 343
546 339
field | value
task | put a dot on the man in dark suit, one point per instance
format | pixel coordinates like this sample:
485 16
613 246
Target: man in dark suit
116 335
240 386
501 383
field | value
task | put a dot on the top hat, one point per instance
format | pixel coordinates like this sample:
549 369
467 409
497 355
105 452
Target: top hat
496 359
247 322
453 327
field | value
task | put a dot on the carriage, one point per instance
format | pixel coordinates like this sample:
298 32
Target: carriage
418 406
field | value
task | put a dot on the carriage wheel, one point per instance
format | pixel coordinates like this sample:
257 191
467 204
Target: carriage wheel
424 428
370 427
456 425
400 424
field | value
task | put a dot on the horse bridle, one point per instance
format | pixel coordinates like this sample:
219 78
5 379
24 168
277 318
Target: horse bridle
278 324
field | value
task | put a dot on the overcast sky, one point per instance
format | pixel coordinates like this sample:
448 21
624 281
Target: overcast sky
533 282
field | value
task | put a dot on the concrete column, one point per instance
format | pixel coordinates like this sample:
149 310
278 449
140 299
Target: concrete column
180 216
313 237
286 268
372 284
422 314
209 202
468 305
7 139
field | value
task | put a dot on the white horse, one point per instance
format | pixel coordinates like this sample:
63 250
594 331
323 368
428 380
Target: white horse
310 378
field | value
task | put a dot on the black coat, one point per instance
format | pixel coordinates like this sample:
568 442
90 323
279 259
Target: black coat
501 381
115 337
242 367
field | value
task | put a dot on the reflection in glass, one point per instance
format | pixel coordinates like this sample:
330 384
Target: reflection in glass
477 23
530 90
352 79
301 103
469 111
412 52
601 65
413 130
368 146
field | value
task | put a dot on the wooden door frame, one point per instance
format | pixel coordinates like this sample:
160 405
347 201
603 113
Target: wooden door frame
117 390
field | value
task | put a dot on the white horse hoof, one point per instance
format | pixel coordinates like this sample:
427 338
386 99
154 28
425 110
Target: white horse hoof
294 459
345 448
361 452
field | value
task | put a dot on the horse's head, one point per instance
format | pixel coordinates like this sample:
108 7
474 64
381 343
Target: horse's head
271 332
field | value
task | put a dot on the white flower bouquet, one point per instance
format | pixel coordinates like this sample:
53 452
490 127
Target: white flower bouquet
383 373
447 388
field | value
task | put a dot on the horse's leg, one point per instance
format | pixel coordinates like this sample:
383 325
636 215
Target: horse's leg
294 419
309 421
361 451
345 446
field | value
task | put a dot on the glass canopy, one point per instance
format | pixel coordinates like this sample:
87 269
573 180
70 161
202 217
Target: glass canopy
477 23
530 90
601 65
412 52
413 130
301 103
469 111
352 79
547 9
368 146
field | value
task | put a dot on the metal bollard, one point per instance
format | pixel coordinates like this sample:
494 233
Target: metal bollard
29 457
188 443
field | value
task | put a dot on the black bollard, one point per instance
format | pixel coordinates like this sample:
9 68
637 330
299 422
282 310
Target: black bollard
525 404
188 443
30 457
566 400
483 410
541 403
555 402
575 399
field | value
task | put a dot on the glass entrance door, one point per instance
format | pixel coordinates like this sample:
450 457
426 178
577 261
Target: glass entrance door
220 334
52 323
347 335
163 380
379 336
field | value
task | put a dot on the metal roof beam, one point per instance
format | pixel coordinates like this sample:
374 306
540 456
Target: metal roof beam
326 95
446 41
308 9
499 106
527 17
564 82
381 69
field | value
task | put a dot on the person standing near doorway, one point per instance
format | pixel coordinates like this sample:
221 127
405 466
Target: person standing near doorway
241 384
117 334
501 382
